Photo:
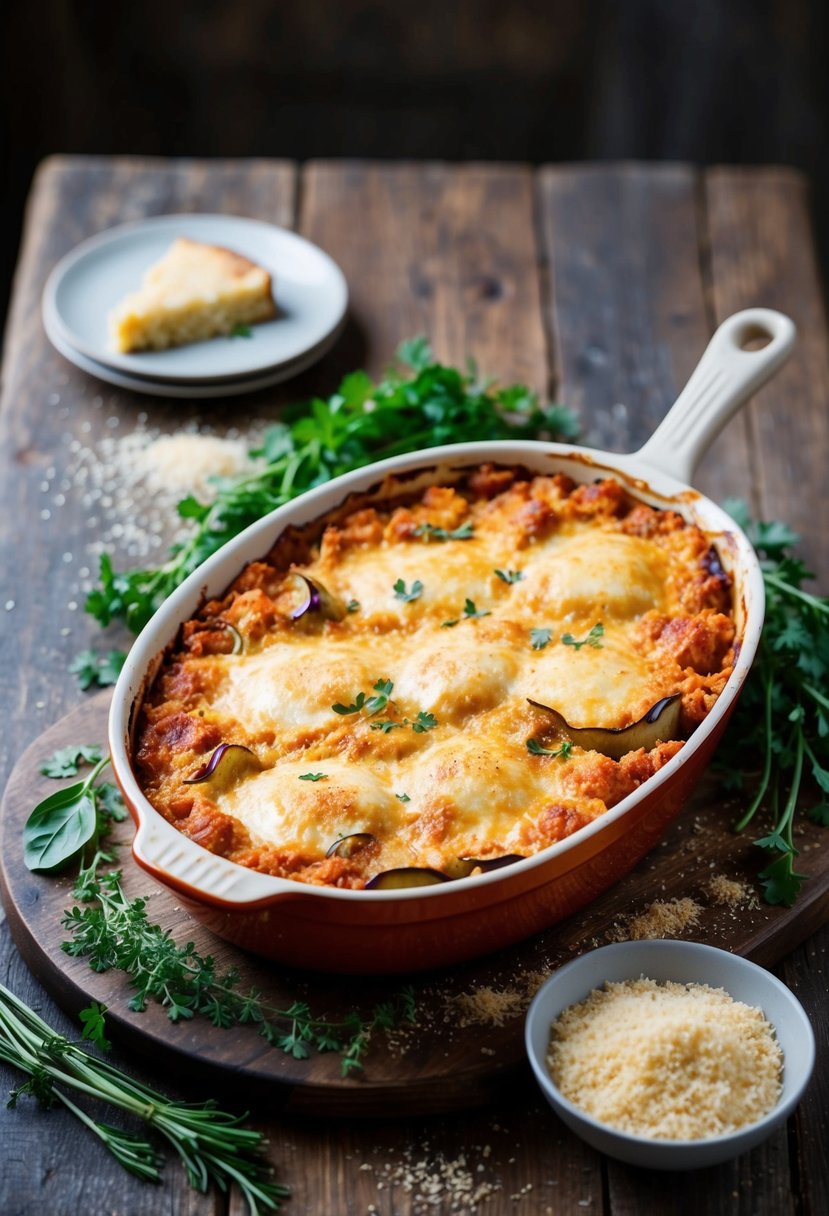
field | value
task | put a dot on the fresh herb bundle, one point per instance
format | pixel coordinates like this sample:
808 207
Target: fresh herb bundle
364 421
782 716
212 1145
114 932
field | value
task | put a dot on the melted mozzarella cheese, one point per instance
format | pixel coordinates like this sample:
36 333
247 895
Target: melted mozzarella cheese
454 679
295 684
609 575
278 807
609 685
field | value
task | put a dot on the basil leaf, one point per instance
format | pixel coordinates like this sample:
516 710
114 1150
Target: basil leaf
58 828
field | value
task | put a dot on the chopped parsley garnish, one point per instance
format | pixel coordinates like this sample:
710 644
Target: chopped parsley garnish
510 576
313 776
352 606
430 532
471 612
449 624
424 722
408 595
540 638
593 638
241 331
402 797
66 761
383 689
386 725
354 708
563 752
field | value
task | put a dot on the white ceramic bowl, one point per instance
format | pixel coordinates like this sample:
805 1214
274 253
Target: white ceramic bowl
681 962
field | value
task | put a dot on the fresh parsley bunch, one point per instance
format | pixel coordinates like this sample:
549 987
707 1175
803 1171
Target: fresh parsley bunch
420 404
782 716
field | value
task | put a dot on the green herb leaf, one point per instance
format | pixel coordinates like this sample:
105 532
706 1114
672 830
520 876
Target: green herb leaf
66 761
472 613
537 749
449 624
313 776
97 670
92 1020
424 722
539 638
424 405
510 576
382 690
241 331
781 883
352 606
386 725
402 797
59 827
430 532
410 594
354 708
593 638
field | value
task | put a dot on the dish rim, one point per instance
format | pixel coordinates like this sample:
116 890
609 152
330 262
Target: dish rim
220 569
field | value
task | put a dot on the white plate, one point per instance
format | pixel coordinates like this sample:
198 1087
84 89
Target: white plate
192 391
309 288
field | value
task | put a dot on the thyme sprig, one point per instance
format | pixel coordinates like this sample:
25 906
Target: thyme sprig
114 932
213 1145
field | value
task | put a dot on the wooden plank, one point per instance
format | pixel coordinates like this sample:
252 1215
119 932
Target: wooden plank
50 1164
444 251
762 252
630 311
626 307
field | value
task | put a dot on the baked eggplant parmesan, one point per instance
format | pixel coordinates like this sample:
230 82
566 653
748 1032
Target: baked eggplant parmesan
425 686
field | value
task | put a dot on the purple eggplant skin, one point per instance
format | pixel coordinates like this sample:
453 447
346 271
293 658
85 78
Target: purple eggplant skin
659 724
486 864
227 761
347 846
406 876
318 600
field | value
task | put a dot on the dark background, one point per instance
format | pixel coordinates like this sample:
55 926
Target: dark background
710 81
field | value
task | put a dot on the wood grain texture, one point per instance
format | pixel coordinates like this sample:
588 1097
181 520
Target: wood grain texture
642 261
438 250
443 1062
761 252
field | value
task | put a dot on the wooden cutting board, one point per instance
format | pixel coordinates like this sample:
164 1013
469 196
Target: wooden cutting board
450 1059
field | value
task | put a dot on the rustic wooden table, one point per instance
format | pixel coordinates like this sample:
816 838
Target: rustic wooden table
597 285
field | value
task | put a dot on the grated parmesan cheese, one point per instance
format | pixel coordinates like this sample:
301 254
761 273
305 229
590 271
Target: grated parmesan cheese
669 1061
187 460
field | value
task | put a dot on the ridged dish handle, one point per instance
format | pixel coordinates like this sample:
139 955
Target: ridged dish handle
725 377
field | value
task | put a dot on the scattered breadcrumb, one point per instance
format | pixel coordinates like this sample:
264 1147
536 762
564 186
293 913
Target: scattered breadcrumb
731 892
485 1005
662 918
433 1181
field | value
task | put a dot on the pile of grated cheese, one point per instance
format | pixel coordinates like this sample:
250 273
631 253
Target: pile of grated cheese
668 1061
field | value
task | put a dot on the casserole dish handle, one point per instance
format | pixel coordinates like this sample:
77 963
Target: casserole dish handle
728 373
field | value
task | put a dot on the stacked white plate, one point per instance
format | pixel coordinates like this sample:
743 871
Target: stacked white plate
309 289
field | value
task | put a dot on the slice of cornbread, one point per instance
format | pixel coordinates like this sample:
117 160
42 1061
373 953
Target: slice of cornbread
193 292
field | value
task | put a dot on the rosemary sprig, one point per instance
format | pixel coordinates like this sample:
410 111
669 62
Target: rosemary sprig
213 1145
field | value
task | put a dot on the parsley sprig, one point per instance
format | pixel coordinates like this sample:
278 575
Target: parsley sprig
783 712
418 404
593 639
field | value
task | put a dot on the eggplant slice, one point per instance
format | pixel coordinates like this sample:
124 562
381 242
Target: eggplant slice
317 599
658 725
229 763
